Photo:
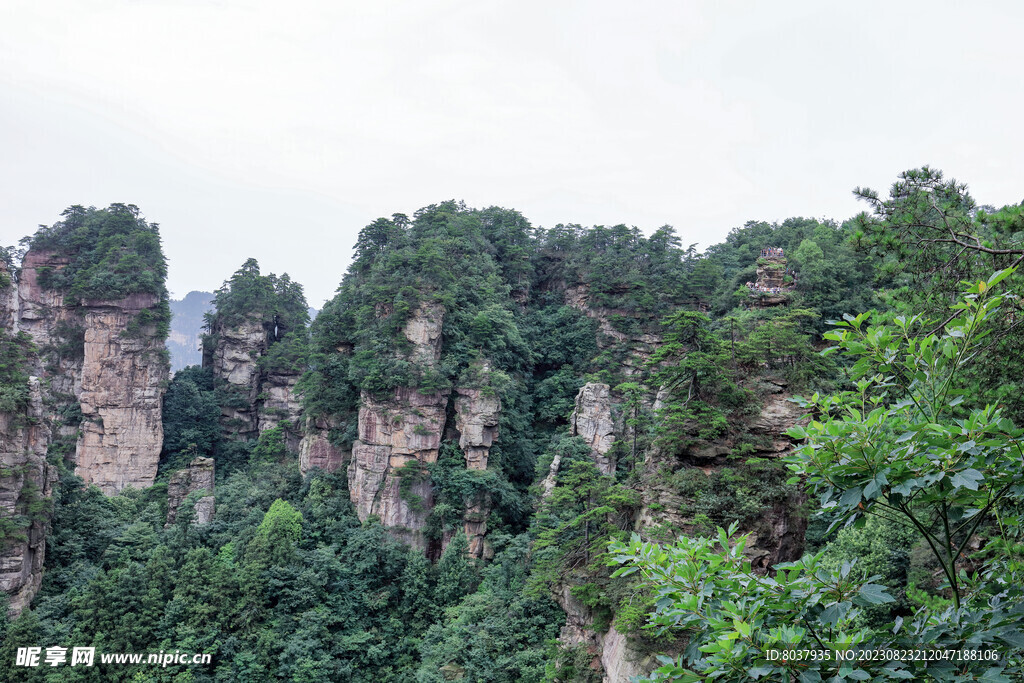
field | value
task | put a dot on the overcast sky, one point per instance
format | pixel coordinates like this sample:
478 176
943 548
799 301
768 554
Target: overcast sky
279 129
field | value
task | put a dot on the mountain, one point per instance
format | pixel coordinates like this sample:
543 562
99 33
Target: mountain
509 453
186 328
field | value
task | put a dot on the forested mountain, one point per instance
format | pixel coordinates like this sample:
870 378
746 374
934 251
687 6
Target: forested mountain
510 453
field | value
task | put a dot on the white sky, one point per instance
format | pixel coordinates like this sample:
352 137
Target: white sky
279 129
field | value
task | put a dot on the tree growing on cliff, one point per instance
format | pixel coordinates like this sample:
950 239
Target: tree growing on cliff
910 445
692 367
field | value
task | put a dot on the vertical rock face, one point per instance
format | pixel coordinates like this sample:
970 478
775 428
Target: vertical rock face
404 429
55 329
94 355
261 398
97 355
25 479
198 476
316 450
592 421
398 433
476 417
278 401
612 653
122 387
234 360
477 414
8 298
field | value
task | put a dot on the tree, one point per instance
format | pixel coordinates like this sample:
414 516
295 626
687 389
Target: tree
912 444
907 444
633 395
278 533
691 366
733 617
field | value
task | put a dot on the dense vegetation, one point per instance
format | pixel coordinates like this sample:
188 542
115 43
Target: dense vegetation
912 460
111 253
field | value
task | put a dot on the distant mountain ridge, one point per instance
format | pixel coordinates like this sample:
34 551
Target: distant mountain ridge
186 326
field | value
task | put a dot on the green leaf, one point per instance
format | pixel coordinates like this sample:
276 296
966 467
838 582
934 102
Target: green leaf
874 594
968 478
810 677
851 497
999 276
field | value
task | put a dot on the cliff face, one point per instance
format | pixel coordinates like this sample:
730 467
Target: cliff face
395 435
477 415
611 653
56 329
233 360
198 476
316 450
591 420
261 398
776 536
122 387
26 481
400 434
94 355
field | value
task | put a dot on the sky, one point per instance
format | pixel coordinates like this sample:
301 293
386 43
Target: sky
277 130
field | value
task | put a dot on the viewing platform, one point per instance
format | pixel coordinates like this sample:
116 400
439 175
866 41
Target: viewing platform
775 282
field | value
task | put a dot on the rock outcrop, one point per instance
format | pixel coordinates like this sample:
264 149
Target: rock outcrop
233 360
97 354
58 332
770 288
261 398
122 387
612 654
316 450
401 433
26 480
198 476
397 435
591 420
99 359
477 414
778 535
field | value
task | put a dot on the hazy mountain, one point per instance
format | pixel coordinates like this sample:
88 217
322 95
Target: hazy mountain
186 326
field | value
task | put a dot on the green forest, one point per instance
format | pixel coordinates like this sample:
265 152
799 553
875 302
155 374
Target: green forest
814 445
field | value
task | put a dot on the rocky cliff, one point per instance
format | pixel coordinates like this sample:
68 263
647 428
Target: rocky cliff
397 435
233 359
591 420
401 433
477 415
96 353
98 373
316 450
198 476
259 398
122 386
770 288
26 481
